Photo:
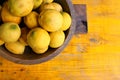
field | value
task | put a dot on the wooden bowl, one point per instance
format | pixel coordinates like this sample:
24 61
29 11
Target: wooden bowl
29 57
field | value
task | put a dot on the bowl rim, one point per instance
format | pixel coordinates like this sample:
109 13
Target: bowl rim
55 53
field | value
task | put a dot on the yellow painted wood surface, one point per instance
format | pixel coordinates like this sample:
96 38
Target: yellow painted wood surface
91 56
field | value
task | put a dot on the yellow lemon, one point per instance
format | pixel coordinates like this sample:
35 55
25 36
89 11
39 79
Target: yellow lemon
47 1
38 38
51 20
57 6
23 37
20 7
66 21
40 51
37 3
52 5
57 39
10 32
31 20
15 47
46 6
1 42
7 16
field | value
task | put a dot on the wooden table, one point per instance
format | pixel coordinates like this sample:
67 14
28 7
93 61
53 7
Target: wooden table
91 56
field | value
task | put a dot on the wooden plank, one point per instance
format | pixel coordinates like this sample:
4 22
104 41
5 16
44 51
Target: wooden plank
92 56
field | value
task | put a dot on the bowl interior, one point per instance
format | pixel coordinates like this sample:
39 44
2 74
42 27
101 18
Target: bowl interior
29 57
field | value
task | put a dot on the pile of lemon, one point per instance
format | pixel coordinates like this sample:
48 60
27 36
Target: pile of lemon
39 24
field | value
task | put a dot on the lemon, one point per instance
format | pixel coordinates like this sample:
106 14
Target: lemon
52 5
38 38
31 20
15 47
1 42
51 20
7 16
37 3
47 1
21 40
57 6
40 51
20 7
46 6
66 21
23 37
9 32
57 39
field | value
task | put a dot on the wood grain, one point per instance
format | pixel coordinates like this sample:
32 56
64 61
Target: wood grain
91 56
